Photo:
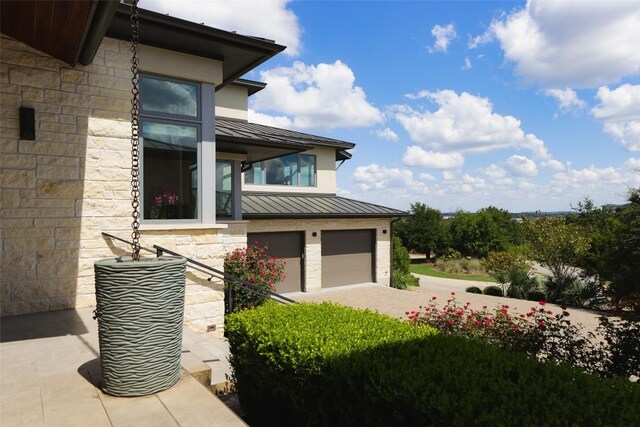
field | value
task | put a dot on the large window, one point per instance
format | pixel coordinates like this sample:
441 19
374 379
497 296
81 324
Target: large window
171 136
294 169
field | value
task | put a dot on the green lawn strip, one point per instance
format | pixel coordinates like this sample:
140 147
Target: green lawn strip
427 270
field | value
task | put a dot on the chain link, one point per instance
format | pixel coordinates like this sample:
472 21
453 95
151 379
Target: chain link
135 132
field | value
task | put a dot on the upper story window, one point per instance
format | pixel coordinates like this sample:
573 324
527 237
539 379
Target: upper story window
171 133
294 169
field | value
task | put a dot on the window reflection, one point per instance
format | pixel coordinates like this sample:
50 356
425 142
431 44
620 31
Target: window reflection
224 188
293 169
170 159
169 97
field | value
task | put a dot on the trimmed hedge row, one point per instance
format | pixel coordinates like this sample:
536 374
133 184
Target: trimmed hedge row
324 364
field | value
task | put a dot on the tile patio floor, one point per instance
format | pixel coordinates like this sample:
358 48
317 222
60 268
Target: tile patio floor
49 369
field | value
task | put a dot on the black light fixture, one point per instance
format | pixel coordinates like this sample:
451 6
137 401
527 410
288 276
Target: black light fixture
314 234
27 123
384 231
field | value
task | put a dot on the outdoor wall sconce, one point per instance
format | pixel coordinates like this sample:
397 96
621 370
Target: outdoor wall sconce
314 234
27 123
384 231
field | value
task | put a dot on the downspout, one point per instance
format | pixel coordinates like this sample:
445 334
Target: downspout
391 246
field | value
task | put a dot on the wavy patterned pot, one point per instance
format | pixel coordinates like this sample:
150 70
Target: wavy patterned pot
140 310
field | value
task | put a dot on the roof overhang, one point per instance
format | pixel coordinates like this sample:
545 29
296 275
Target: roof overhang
239 53
256 151
70 31
260 142
297 205
252 86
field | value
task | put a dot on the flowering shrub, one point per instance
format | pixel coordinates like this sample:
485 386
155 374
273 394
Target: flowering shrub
252 264
613 349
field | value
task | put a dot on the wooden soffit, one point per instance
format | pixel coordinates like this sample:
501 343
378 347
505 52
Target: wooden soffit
56 27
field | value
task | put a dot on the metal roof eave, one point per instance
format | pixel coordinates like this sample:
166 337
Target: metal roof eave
239 53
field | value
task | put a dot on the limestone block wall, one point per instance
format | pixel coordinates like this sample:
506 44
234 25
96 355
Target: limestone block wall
313 255
59 192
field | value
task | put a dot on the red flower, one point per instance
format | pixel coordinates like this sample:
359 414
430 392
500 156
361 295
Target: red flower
542 302
453 293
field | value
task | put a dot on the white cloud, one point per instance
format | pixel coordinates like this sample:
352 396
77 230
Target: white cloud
266 119
416 156
464 123
448 175
426 177
456 189
443 35
387 134
494 171
553 165
570 43
522 166
376 177
268 19
595 182
467 64
632 163
619 111
567 99
319 96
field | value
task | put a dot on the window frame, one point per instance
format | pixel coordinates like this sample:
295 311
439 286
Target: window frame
206 154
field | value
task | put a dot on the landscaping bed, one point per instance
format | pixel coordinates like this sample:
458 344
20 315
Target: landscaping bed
323 364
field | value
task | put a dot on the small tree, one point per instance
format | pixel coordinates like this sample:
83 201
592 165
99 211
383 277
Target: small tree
557 246
401 276
423 231
252 264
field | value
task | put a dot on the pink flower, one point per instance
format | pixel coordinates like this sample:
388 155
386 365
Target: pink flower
489 320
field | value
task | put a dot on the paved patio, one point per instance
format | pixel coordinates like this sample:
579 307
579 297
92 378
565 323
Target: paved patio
50 376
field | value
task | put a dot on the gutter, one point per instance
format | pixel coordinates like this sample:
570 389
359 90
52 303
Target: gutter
102 16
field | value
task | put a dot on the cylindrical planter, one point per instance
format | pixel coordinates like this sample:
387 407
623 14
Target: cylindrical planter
140 310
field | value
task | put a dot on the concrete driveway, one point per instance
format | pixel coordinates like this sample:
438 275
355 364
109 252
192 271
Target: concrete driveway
396 302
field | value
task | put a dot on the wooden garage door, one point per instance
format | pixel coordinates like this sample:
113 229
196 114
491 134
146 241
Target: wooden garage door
347 257
288 245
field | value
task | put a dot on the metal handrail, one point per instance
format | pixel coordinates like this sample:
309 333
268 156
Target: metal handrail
226 277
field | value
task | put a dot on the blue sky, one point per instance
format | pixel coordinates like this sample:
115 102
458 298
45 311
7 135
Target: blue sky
459 105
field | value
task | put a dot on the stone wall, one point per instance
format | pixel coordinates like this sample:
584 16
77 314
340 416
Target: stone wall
59 192
313 256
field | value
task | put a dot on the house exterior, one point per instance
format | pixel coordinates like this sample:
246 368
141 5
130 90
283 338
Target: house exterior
211 181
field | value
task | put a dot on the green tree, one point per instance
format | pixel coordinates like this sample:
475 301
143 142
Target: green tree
620 251
488 230
423 231
559 247
401 276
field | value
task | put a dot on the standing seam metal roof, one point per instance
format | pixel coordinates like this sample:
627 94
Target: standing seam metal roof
286 205
238 129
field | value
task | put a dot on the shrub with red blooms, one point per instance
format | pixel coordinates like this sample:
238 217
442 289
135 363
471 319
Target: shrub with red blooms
252 264
613 349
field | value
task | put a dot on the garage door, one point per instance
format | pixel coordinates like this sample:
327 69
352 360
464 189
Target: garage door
288 245
347 257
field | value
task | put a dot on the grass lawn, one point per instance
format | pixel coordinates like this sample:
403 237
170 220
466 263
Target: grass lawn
427 270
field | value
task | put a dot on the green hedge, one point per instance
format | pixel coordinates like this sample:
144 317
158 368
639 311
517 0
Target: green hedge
323 364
